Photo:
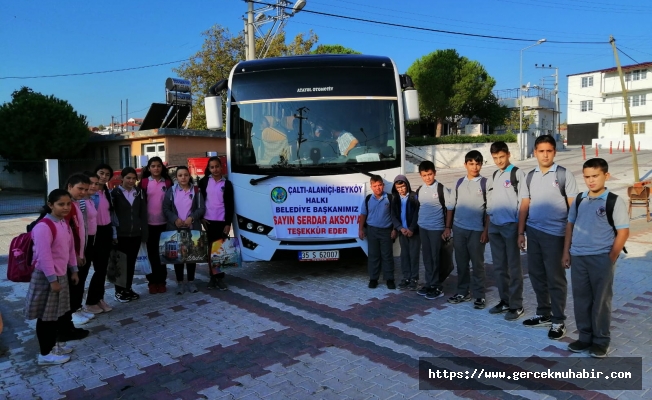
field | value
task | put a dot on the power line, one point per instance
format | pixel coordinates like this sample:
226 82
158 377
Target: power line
445 18
435 42
428 29
564 6
94 72
627 55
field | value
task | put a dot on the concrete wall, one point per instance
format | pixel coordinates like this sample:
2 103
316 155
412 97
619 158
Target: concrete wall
31 180
452 155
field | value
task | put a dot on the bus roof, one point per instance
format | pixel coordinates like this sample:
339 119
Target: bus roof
314 60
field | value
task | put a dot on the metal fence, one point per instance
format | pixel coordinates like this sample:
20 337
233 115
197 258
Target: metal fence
23 186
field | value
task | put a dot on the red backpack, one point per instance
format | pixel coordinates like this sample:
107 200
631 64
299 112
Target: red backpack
21 252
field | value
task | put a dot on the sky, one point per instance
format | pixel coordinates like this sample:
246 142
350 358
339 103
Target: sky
42 38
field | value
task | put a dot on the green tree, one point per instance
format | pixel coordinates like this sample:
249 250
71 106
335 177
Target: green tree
220 52
450 86
511 122
333 49
35 126
100 127
491 112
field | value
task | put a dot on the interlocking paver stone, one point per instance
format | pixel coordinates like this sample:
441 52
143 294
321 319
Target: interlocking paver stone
291 330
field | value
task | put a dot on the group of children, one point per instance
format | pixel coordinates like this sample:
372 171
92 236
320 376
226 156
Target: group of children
83 223
562 229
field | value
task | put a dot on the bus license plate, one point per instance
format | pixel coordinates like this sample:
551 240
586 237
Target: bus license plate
319 255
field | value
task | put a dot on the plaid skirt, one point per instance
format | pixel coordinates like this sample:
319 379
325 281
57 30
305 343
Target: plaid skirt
41 302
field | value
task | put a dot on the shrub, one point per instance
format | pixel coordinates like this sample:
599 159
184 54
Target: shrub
457 139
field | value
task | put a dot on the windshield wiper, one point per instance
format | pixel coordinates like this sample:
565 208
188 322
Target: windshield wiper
360 171
254 182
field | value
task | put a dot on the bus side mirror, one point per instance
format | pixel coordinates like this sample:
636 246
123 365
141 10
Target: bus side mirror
411 105
213 107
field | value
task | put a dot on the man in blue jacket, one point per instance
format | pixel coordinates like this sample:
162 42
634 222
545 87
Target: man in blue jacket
405 215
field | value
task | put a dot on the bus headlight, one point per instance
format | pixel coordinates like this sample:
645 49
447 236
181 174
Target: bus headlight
252 226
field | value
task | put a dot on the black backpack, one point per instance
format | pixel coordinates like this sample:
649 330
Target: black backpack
366 204
560 174
483 186
611 204
512 179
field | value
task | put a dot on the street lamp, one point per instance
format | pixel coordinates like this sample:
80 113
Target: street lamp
520 98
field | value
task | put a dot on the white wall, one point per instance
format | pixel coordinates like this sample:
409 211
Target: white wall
608 104
452 155
577 94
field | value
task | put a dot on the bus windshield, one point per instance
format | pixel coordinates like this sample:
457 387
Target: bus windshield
314 121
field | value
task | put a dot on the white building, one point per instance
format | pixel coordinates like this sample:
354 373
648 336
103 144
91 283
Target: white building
596 110
540 115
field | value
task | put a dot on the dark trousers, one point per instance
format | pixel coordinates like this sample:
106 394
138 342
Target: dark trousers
178 271
159 271
46 333
469 249
77 291
410 249
593 279
130 246
380 253
101 249
548 276
215 231
506 255
430 248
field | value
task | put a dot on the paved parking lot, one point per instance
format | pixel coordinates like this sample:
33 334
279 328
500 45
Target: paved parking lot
308 330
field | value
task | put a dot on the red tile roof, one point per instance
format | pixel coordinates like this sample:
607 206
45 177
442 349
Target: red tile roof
614 69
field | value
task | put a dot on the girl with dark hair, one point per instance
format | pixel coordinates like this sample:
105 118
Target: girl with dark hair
154 182
77 187
218 192
131 215
184 208
48 296
103 242
81 316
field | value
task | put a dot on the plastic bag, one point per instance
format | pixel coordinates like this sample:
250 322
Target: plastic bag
225 253
116 272
143 266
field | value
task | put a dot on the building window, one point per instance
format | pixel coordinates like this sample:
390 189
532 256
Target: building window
639 128
586 105
637 100
587 81
104 155
636 75
125 156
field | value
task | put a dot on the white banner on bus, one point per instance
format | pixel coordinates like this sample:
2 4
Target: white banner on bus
307 210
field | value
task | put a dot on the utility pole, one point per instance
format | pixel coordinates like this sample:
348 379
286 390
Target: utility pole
251 38
112 124
630 128
555 118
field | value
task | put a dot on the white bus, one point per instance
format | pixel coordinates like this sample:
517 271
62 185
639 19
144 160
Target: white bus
304 134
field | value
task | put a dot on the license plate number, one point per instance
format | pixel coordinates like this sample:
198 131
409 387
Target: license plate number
319 255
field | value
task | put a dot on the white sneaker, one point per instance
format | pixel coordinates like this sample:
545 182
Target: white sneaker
79 319
52 359
62 348
86 314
